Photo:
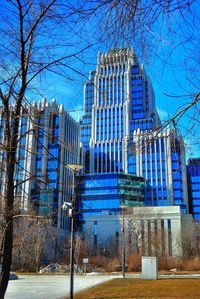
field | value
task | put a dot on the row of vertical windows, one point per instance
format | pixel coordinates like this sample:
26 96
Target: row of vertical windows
113 69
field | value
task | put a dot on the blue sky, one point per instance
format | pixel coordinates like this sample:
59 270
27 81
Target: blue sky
171 59
165 80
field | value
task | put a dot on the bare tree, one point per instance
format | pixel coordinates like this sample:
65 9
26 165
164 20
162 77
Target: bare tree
19 243
144 234
79 248
197 237
188 240
35 40
143 24
31 241
159 32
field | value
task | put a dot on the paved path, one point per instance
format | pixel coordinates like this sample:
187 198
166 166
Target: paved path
57 286
49 286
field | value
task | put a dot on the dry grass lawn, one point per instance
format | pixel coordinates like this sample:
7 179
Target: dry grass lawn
138 288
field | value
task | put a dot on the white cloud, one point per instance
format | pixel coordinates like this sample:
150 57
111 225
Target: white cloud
164 115
77 112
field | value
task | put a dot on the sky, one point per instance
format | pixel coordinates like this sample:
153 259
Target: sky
171 58
170 76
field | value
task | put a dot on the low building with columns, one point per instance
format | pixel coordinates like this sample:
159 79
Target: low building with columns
156 231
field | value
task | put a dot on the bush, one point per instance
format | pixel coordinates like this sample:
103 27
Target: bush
191 264
113 265
169 262
134 263
97 261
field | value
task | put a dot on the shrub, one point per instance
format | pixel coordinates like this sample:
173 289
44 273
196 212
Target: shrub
134 263
113 264
169 262
191 264
97 261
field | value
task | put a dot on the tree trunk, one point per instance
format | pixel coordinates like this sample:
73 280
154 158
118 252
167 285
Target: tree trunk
7 259
8 239
11 146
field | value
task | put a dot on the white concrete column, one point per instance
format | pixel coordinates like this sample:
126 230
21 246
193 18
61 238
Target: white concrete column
99 123
104 122
119 149
146 158
161 166
140 152
91 157
170 195
146 237
114 154
156 166
102 152
176 235
107 123
166 236
112 116
106 153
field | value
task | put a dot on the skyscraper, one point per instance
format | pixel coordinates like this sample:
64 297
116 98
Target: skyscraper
48 140
193 174
118 99
121 132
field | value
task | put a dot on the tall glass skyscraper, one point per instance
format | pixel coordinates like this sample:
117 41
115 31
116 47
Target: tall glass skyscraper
193 175
49 139
121 132
118 99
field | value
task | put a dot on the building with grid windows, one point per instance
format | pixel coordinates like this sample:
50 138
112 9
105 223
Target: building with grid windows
121 134
48 140
101 195
193 174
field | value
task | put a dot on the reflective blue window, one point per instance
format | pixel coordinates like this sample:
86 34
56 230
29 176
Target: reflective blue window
52 175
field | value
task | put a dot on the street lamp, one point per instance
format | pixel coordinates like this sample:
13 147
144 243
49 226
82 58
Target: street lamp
123 243
75 169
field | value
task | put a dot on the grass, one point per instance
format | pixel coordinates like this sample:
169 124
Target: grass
138 288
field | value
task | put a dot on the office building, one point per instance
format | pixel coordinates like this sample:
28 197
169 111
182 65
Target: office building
121 134
100 196
48 141
193 175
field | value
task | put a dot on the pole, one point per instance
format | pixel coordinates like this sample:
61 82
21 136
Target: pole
72 258
72 241
123 245
75 169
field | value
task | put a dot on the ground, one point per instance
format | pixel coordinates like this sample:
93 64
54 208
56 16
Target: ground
109 286
49 286
138 288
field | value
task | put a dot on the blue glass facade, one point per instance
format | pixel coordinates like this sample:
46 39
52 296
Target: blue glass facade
45 192
105 193
57 144
193 175
161 162
120 132
48 141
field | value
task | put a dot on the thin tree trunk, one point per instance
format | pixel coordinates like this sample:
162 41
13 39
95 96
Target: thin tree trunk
8 240
11 145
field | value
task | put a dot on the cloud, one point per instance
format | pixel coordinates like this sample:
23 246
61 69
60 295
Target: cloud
77 112
164 115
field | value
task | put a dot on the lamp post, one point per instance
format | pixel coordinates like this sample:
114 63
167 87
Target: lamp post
75 169
123 244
